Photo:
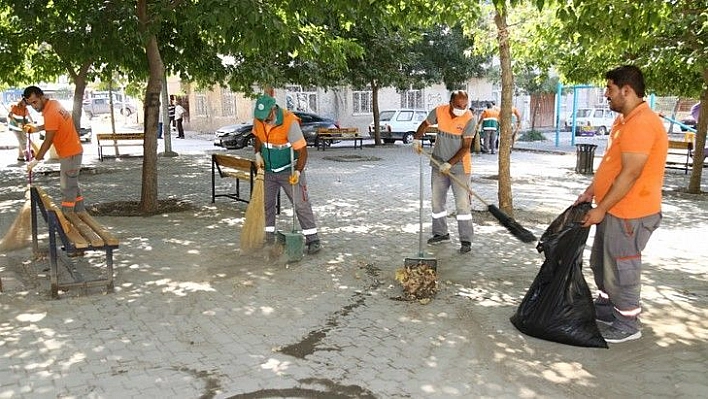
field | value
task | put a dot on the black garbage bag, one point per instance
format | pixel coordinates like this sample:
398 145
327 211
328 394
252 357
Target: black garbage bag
558 306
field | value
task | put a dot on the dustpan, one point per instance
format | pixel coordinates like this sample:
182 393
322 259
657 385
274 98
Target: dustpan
293 242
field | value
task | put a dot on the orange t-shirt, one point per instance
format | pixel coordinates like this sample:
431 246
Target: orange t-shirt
640 132
66 140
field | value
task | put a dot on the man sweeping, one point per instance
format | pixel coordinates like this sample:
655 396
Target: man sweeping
59 130
452 151
277 131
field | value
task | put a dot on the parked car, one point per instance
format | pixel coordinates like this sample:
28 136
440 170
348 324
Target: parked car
101 106
591 121
240 135
399 124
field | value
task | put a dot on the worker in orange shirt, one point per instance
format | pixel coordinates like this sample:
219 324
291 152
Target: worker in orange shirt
16 120
627 192
489 121
60 131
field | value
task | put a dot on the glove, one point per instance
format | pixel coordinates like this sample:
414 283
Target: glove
32 164
259 161
417 146
295 177
28 128
445 168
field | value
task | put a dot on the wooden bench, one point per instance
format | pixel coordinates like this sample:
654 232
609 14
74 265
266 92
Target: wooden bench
680 155
237 168
116 140
77 232
325 137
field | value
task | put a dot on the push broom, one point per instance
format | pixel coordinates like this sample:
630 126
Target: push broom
20 232
253 231
505 220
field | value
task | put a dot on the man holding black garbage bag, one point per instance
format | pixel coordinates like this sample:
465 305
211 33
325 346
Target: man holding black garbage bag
627 193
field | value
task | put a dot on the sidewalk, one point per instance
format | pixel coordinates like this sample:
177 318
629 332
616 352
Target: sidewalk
191 317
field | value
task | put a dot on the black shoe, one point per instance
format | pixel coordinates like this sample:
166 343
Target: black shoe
465 247
313 247
438 238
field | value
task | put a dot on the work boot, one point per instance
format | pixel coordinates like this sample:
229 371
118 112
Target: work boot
465 247
314 247
603 310
438 238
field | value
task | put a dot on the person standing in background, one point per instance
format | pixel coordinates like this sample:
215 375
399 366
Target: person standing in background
16 120
171 112
489 121
179 115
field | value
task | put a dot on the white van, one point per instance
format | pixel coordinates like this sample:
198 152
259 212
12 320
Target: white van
591 121
399 124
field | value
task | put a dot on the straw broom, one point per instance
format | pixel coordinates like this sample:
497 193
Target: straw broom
20 233
253 232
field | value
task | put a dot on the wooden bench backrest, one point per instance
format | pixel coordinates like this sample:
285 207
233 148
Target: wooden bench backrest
232 162
346 131
120 136
681 145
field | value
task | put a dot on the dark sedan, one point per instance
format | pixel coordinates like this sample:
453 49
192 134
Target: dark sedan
241 135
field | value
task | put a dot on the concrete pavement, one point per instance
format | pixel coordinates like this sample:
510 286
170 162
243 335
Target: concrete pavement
191 317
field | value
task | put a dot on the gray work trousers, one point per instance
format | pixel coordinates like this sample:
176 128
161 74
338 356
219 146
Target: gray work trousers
272 183
616 263
440 184
69 169
490 140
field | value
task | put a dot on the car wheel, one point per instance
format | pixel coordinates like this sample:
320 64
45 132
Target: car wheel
126 112
89 114
601 131
407 137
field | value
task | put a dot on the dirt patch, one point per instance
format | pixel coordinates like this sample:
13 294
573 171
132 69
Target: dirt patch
132 208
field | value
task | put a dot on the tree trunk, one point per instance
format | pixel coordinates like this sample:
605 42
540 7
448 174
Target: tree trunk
79 87
148 195
375 107
694 184
507 79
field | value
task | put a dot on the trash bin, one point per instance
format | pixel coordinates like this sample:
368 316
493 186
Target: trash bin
585 158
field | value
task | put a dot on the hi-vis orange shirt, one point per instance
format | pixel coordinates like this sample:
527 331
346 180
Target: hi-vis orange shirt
640 132
451 130
66 140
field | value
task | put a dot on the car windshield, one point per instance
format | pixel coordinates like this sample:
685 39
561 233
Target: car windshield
386 116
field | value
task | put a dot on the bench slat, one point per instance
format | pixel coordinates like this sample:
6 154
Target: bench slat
233 162
71 233
105 235
85 230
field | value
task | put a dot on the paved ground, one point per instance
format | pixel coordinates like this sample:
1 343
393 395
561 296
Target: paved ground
191 317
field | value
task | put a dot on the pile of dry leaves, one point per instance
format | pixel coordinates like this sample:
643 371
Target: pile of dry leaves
419 282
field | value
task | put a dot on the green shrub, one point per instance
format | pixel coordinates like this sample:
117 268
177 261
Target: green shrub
532 135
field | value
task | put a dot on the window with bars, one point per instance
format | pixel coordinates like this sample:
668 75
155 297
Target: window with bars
200 106
228 103
362 102
302 98
412 99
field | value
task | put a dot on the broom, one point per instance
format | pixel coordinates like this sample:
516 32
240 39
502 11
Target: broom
507 221
253 232
20 232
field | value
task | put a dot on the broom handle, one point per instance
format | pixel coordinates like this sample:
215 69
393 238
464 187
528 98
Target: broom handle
292 186
456 179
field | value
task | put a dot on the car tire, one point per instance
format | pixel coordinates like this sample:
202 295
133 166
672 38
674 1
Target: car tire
407 137
89 114
126 112
601 131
